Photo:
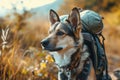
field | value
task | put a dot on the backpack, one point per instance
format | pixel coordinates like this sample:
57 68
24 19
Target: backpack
92 24
91 21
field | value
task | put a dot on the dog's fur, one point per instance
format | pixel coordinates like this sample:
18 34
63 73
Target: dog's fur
63 42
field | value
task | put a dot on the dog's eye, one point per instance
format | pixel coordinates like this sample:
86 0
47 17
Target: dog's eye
60 33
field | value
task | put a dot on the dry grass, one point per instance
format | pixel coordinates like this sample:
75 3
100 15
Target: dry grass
21 56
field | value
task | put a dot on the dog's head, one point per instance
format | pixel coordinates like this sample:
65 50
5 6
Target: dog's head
63 35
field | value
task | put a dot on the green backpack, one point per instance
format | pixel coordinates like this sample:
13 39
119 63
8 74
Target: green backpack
92 24
91 21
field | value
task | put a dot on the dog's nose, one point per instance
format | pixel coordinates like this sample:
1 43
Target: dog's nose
44 43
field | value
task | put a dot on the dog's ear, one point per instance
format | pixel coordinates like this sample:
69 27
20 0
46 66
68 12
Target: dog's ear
74 19
53 17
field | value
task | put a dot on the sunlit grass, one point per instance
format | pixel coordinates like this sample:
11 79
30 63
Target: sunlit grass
21 55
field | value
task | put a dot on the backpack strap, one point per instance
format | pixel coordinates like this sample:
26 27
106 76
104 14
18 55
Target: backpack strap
106 66
97 54
90 42
102 68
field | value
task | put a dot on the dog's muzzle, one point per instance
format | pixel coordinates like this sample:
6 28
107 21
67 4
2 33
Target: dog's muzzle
46 45
45 42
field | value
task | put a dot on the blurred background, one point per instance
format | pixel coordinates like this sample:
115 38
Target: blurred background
24 23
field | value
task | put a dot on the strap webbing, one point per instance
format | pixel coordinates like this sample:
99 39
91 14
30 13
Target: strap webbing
103 45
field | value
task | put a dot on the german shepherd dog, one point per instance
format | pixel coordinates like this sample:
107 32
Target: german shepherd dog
65 43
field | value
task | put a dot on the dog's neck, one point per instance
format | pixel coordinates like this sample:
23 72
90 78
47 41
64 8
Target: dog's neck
63 59
71 61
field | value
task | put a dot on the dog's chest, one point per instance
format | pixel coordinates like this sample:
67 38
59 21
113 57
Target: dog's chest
63 59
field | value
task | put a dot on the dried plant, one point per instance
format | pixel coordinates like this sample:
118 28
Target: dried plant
4 37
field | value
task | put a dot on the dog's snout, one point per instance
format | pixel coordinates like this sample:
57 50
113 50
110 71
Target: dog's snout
44 43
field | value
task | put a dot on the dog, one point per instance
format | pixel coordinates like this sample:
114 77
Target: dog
66 45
